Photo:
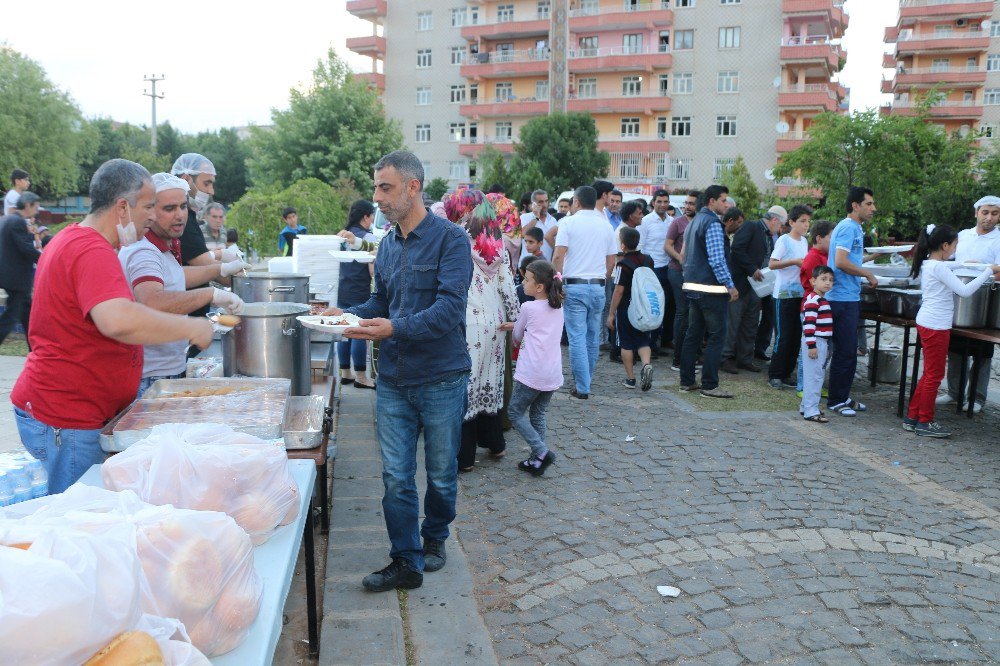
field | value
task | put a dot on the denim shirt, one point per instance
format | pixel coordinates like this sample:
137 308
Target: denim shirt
422 287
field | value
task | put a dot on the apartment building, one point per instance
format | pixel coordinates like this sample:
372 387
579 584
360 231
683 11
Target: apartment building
951 45
678 89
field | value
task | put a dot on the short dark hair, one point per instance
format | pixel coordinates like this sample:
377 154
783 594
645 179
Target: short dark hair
661 193
26 199
496 188
359 210
616 192
568 200
856 195
733 213
117 179
18 174
714 192
629 207
286 211
586 196
527 259
821 229
601 187
822 269
406 163
232 236
536 233
798 211
629 237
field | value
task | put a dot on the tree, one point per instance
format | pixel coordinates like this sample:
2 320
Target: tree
335 127
491 170
436 188
40 127
742 188
229 154
562 148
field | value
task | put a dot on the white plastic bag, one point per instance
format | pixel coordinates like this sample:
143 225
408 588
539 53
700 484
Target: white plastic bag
210 467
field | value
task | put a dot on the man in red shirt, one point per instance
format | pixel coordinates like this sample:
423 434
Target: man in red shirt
87 332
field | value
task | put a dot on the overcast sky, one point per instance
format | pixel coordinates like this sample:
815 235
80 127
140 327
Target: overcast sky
228 63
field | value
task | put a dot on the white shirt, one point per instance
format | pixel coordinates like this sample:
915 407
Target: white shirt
588 239
544 225
939 286
786 280
652 236
973 246
10 201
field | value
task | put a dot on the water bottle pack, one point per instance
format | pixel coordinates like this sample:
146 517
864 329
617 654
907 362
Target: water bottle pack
21 478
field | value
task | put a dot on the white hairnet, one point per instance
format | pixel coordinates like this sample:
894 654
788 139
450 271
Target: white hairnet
165 181
988 201
192 164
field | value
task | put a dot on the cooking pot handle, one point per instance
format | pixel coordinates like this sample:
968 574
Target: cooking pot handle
281 290
289 331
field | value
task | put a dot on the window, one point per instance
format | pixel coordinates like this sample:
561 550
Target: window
504 52
473 15
722 164
425 21
662 127
458 17
628 167
542 90
683 83
683 40
456 131
940 64
968 96
458 170
458 55
505 13
993 62
504 132
632 43
664 41
458 94
423 95
680 169
729 38
729 81
427 169
631 86
725 126
588 46
942 30
586 88
989 131
664 84
971 65
680 126
423 133
732 2
588 7
685 3
991 96
544 9
630 127
661 167
994 28
423 58
504 91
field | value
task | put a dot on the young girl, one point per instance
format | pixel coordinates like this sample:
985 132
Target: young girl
939 285
539 364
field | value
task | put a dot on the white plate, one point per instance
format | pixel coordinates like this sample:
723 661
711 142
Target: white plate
888 249
325 323
350 255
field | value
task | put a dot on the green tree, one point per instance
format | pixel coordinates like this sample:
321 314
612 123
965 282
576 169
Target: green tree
491 169
229 154
41 128
741 186
335 127
436 188
119 140
563 149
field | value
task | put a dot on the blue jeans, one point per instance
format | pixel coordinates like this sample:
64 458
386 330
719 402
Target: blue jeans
402 411
582 311
353 350
676 279
705 314
527 413
844 360
66 454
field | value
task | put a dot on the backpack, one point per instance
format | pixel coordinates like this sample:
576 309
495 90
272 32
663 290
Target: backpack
645 310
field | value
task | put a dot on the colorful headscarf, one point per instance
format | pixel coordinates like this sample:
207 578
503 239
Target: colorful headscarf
507 215
478 215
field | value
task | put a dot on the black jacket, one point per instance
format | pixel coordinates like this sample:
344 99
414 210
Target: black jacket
750 252
17 254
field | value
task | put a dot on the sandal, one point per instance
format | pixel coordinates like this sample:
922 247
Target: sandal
857 406
817 418
346 381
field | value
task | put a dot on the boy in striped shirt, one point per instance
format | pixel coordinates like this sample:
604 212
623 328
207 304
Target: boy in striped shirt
817 329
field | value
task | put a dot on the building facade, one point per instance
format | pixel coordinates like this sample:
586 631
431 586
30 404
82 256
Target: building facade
948 45
678 89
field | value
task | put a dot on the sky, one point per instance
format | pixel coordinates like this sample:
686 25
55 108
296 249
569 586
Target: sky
226 64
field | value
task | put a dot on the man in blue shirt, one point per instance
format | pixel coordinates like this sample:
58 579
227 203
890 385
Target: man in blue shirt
846 257
422 274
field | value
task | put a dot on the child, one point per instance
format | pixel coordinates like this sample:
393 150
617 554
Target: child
539 370
786 259
816 256
817 329
630 339
533 239
522 297
937 309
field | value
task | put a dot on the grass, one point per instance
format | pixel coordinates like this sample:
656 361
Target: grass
750 394
14 345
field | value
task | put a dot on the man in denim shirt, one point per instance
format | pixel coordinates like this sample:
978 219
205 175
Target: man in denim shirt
422 275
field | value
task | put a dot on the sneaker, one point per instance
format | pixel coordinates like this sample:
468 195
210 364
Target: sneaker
536 466
399 574
581 396
944 399
629 383
646 377
749 367
675 366
932 429
824 393
909 424
775 383
789 383
761 356
729 366
844 409
715 393
694 387
798 394
434 554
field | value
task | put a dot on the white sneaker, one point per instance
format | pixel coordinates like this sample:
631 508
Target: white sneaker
944 399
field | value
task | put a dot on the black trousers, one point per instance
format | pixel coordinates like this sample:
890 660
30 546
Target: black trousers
762 347
18 310
789 327
484 431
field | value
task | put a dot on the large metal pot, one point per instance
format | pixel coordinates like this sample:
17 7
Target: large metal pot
993 320
869 299
890 364
270 342
260 287
970 312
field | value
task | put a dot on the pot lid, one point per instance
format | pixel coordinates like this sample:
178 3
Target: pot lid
274 309
263 275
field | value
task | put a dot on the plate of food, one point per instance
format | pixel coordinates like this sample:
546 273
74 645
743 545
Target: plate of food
352 255
330 323
888 249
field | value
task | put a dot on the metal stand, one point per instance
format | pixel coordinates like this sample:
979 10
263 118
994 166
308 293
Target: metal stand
311 601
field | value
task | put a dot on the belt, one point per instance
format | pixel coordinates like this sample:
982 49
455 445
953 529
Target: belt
599 281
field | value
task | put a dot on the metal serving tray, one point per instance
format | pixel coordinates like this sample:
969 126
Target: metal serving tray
304 422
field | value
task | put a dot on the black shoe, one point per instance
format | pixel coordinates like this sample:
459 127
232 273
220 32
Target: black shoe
399 574
434 554
536 466
789 382
730 367
654 354
581 396
760 356
749 367
616 358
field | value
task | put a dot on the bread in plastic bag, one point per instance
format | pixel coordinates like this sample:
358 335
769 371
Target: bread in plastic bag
196 566
210 467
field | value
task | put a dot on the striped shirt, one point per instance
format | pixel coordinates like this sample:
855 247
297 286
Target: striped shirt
817 319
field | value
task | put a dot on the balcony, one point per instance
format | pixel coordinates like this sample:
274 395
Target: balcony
505 106
790 141
374 79
620 59
889 61
371 10
372 45
891 34
914 11
514 26
812 48
472 147
644 15
506 63
910 42
829 8
615 102
809 96
649 143
956 109
930 76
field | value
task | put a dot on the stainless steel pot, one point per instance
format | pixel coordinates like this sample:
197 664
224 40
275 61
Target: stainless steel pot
270 342
260 287
971 312
993 319
869 299
890 364
889 302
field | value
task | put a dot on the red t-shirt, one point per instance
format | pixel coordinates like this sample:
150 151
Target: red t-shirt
812 259
75 377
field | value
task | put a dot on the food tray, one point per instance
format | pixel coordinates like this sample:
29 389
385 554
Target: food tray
304 422
325 323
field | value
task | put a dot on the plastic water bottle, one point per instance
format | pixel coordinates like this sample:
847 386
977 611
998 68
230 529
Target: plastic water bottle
6 489
39 479
22 484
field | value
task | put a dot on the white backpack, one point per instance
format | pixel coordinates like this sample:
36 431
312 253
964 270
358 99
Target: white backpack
645 310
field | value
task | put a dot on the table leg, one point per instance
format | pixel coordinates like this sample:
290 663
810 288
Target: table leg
324 509
874 361
962 376
972 388
902 373
916 364
311 600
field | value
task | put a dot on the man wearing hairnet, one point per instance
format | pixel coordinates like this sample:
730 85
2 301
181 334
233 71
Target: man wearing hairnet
153 270
199 174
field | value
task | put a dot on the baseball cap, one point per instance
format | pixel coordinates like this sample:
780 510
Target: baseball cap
779 211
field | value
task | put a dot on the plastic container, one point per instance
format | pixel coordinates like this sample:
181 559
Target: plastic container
6 489
39 479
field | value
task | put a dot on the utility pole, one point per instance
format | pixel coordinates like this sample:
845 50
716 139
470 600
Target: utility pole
559 58
152 79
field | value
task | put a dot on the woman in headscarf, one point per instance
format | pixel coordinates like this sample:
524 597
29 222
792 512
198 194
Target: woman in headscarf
492 302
